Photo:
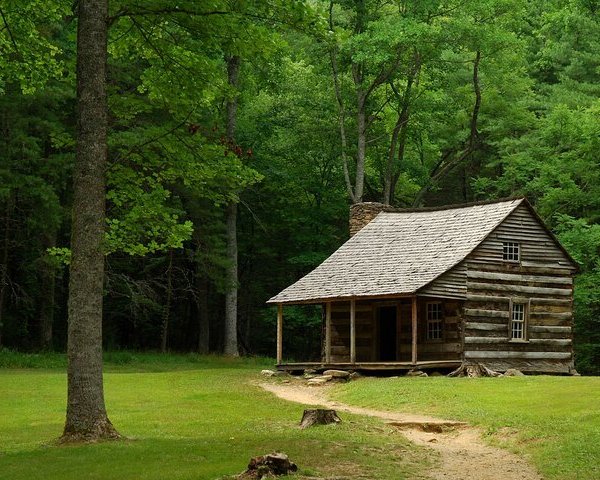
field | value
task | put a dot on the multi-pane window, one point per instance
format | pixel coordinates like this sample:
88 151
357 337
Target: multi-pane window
434 321
511 251
517 321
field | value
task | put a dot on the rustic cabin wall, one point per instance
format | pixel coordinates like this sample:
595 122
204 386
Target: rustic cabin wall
449 347
405 332
340 331
452 284
542 280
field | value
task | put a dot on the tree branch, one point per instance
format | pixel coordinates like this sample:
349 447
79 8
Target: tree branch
471 144
10 34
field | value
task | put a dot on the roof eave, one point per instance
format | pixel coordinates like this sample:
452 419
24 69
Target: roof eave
346 298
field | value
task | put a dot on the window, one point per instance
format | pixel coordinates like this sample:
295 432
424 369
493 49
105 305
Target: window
511 252
517 321
434 320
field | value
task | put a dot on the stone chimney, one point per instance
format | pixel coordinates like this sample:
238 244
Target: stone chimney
363 213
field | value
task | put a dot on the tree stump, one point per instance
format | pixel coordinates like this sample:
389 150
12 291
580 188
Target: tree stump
473 370
270 465
319 417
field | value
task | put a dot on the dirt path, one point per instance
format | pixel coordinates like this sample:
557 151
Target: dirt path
463 454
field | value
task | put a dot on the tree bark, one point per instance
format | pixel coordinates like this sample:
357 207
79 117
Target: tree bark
86 412
319 417
231 342
361 145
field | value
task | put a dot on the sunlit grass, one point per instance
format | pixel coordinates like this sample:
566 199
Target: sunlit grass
185 423
553 420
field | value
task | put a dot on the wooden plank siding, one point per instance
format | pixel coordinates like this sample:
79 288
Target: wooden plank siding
543 280
452 284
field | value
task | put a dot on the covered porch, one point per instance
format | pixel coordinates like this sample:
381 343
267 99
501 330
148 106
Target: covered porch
384 334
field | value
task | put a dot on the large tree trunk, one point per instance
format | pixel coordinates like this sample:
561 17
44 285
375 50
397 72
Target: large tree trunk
231 343
47 294
86 413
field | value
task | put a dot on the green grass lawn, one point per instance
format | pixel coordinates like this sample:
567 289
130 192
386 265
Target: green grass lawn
555 421
185 417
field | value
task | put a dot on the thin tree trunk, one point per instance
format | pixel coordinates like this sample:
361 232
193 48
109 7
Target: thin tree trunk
398 140
202 304
201 297
167 307
361 146
231 342
4 261
47 291
86 412
342 110
451 159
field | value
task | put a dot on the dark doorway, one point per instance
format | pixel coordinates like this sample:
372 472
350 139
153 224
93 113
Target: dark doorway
388 334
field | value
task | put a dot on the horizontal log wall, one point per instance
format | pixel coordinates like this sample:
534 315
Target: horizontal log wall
449 348
543 280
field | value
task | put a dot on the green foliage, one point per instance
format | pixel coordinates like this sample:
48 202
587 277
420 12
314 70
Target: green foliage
172 171
29 56
583 242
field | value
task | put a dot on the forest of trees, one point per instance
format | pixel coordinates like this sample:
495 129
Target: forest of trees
240 131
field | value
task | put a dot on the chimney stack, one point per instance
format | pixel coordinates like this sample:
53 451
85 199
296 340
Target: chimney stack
363 213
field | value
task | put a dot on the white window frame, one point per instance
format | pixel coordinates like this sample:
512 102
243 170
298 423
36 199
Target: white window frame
435 325
511 251
520 318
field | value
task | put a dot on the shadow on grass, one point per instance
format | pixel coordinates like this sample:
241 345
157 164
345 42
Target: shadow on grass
324 451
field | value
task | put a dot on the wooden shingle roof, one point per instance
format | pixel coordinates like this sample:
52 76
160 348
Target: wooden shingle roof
399 252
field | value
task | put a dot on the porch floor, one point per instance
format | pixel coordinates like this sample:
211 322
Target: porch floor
369 366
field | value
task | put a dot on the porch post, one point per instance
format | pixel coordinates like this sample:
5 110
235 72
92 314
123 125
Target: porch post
352 331
279 333
414 330
328 332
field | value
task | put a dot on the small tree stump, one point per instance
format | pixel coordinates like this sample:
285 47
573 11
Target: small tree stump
473 370
273 464
319 417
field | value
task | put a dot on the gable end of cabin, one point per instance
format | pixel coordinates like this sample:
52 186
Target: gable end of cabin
518 311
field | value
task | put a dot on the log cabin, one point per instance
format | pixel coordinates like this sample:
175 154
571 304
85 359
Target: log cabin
437 288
